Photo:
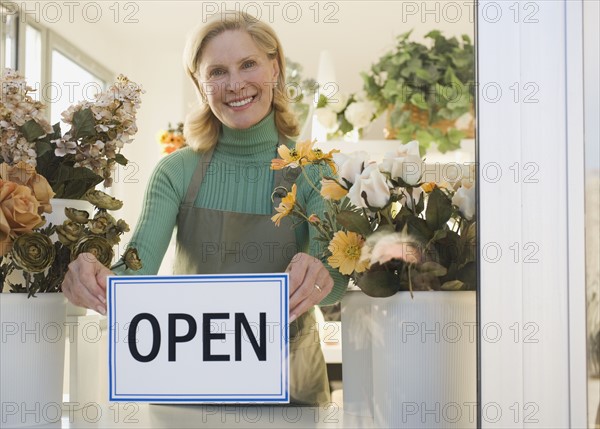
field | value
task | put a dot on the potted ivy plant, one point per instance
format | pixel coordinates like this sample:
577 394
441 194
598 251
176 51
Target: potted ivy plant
427 90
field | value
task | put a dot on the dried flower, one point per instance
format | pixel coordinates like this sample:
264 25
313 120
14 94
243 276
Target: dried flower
33 252
132 259
103 201
79 216
69 232
97 246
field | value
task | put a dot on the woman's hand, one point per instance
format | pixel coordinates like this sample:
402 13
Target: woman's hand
310 282
85 283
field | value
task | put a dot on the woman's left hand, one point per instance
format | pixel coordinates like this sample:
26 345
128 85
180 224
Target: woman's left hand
310 282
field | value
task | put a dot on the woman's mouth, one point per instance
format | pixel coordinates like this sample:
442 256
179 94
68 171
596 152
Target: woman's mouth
241 103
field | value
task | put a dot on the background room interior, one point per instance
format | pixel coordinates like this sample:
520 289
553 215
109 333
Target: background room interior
331 41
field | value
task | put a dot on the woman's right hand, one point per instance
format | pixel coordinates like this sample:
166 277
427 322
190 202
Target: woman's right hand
85 283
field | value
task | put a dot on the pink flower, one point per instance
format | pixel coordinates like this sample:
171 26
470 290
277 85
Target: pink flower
383 247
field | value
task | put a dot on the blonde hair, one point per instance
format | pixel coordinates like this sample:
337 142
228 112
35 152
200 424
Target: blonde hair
202 127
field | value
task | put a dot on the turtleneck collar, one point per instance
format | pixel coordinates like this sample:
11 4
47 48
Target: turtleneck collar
259 138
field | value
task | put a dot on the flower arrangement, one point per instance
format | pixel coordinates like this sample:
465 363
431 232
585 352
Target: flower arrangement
39 163
172 138
384 226
342 114
428 91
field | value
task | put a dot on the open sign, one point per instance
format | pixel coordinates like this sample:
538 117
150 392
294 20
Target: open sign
198 339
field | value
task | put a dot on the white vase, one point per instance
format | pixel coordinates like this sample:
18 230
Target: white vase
357 359
423 359
31 358
57 217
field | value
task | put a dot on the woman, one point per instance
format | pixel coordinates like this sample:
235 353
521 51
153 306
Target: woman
218 191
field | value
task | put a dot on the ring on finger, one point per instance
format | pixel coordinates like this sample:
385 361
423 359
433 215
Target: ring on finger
317 287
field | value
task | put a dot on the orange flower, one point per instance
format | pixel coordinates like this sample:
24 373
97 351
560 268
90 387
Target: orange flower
18 213
285 206
428 187
345 248
293 157
332 190
317 155
25 174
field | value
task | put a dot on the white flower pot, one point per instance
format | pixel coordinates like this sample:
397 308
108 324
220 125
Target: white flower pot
32 353
357 359
423 359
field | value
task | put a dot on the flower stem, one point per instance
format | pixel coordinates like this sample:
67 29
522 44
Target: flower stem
310 182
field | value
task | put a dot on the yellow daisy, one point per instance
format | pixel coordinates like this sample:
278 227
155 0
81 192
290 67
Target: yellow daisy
285 206
345 248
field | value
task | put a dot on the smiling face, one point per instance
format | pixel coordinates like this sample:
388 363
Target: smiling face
238 79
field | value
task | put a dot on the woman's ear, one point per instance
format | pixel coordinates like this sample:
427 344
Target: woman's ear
275 70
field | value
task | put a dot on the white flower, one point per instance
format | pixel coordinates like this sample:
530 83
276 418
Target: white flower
360 113
64 147
464 199
327 118
341 100
373 184
381 78
350 165
405 163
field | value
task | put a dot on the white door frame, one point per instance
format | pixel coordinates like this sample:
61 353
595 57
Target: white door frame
532 296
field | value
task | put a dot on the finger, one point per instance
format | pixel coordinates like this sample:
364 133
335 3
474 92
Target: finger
302 307
314 296
296 270
304 290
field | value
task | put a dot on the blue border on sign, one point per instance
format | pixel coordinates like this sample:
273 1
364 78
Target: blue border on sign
281 397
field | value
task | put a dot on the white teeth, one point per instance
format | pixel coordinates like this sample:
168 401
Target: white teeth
241 102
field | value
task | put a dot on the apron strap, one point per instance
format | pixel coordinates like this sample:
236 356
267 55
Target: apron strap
197 178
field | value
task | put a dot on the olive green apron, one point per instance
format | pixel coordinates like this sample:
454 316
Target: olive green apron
222 242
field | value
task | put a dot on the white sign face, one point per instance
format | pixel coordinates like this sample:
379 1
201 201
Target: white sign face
199 339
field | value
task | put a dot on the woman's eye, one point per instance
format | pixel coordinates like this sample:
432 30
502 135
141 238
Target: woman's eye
249 64
216 73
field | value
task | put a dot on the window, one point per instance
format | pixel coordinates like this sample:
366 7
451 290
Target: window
8 37
33 59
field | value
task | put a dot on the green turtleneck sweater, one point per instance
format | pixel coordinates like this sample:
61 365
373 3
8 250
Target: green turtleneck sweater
239 179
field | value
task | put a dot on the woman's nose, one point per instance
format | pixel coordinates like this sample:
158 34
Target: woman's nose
235 82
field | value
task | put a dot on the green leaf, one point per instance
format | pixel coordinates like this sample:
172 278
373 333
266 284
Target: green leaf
439 209
418 228
84 124
379 284
41 147
453 285
32 130
419 101
73 182
322 102
354 222
120 159
433 268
